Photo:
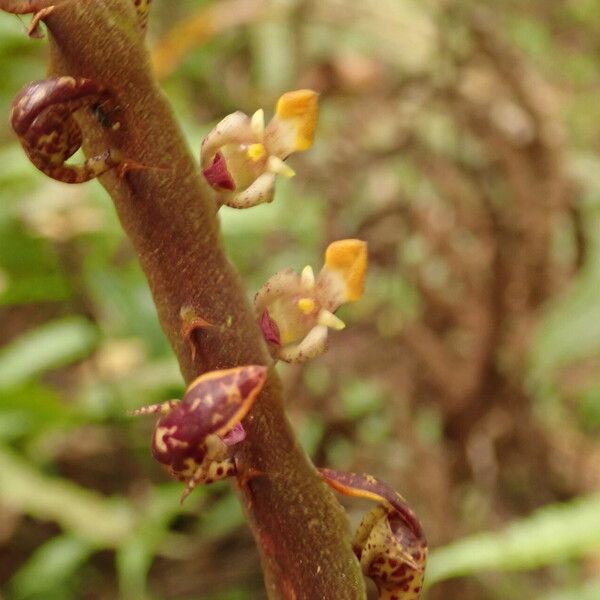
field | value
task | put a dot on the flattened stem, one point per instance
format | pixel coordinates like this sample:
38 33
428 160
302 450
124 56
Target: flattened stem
170 219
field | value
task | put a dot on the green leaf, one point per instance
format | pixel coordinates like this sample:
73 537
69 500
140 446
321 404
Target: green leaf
135 555
590 591
236 594
40 287
49 346
32 407
361 397
553 534
133 560
101 521
222 518
50 566
310 433
30 265
274 64
127 306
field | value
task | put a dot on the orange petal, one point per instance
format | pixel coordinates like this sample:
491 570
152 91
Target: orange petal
300 108
349 259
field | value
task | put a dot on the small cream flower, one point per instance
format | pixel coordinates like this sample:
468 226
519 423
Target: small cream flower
295 311
241 157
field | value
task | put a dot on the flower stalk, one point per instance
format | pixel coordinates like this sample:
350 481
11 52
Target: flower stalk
170 220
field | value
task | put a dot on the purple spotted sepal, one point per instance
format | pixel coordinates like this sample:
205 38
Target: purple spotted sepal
193 438
389 543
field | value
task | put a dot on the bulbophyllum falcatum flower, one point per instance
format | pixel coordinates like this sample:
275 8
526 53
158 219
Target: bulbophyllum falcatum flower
389 543
194 437
296 310
241 157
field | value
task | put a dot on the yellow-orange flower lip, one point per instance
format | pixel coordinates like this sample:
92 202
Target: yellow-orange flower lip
301 106
349 258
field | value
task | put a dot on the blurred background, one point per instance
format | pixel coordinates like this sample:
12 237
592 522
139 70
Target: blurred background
460 139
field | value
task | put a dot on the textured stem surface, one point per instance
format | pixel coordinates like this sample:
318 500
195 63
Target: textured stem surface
169 216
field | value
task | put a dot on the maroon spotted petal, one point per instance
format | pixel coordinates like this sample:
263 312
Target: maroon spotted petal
41 95
218 400
214 404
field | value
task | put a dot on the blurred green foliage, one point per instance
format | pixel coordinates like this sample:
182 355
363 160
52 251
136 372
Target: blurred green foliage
87 513
555 533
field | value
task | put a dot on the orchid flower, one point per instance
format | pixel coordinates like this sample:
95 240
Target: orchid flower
389 543
241 157
296 310
194 437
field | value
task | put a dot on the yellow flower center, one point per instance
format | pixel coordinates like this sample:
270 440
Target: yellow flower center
306 305
256 151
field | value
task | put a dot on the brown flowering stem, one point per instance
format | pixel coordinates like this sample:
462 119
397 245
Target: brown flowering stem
168 214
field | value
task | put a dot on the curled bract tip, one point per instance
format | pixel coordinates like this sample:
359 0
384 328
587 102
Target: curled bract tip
242 156
296 310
